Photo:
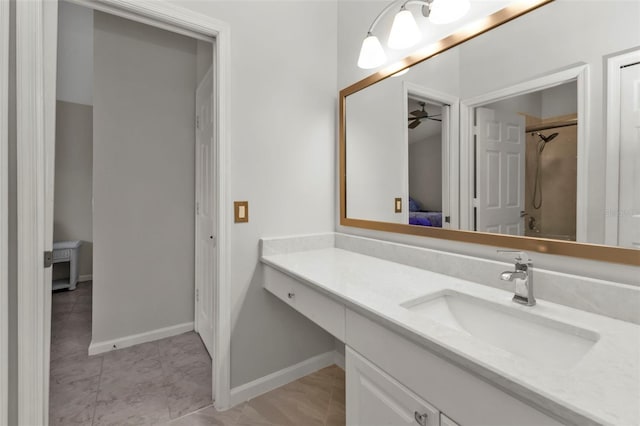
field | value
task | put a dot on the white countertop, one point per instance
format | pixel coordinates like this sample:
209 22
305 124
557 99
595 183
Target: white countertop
602 387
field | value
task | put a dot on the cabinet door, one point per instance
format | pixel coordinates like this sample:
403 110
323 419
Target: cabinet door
376 399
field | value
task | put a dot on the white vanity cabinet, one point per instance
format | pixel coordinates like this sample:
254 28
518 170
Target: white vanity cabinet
322 310
376 399
393 381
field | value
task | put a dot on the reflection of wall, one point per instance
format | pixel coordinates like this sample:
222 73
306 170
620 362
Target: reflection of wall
377 150
376 140
74 168
425 172
558 167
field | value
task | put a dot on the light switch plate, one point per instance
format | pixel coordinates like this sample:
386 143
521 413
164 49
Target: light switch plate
398 205
241 211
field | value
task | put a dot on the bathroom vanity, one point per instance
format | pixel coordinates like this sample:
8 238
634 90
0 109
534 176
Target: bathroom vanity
423 348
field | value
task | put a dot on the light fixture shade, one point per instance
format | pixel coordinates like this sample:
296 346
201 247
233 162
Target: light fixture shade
371 53
447 11
404 31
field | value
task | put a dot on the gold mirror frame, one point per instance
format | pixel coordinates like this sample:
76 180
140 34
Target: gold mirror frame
540 245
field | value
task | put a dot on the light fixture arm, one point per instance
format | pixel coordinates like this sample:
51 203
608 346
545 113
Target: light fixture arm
395 3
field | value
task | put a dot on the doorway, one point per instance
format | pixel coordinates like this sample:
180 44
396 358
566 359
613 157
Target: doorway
34 308
506 141
127 149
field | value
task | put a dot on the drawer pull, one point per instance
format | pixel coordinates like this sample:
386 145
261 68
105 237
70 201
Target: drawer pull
421 419
291 295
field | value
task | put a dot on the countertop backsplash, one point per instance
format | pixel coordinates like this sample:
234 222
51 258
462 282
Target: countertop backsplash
615 300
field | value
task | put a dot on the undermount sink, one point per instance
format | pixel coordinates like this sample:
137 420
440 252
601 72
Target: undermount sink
530 336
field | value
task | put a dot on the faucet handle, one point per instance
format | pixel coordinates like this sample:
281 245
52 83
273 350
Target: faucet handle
517 255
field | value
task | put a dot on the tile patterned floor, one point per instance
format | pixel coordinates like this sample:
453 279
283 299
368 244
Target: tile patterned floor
150 383
165 382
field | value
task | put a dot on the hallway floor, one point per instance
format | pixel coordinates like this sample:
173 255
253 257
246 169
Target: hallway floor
165 382
149 383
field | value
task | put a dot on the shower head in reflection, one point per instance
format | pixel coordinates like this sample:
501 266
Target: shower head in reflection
546 139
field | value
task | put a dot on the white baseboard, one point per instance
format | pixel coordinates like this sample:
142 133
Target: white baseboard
338 359
84 278
280 378
96 348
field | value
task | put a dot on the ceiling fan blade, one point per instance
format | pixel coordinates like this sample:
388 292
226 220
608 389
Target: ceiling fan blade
434 119
414 124
417 112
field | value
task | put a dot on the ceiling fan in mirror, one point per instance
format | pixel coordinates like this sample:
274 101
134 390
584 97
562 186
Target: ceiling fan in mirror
421 114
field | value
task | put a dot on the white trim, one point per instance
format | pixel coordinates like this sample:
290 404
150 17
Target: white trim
85 278
33 333
613 142
96 348
111 9
580 74
272 381
4 210
338 359
450 202
34 140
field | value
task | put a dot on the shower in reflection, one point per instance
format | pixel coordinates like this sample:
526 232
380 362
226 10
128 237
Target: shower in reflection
537 187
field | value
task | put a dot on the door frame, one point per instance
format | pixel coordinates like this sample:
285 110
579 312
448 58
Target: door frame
450 147
612 174
4 211
578 73
36 65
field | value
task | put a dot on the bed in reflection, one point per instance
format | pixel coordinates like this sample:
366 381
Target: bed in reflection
420 217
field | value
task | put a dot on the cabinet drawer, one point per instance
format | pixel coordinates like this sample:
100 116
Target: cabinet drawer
319 308
458 393
376 399
61 254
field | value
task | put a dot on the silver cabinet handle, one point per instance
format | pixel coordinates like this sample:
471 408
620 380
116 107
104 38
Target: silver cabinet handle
421 419
291 295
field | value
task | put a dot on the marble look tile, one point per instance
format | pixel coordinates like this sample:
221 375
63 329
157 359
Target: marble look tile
184 349
188 388
146 404
72 368
132 355
62 307
73 403
80 317
125 377
69 346
209 416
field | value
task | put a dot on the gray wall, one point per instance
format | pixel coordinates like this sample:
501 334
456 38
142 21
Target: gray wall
143 178
72 211
425 172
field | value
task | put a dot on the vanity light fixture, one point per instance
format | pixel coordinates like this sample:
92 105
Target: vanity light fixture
405 31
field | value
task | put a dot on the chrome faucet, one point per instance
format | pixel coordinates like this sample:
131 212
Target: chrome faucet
523 277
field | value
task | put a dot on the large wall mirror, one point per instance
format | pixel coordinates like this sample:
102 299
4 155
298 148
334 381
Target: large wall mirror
521 133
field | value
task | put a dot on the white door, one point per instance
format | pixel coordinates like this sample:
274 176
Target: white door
500 167
376 399
629 190
205 211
